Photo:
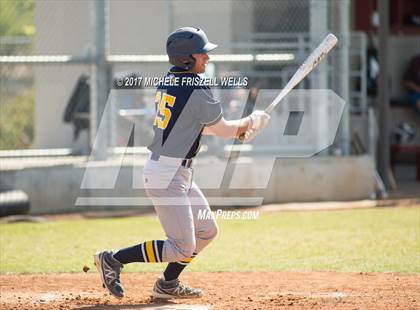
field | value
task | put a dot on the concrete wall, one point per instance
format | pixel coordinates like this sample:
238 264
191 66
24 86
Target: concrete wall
62 28
55 188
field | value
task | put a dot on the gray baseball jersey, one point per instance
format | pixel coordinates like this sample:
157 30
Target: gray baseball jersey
181 114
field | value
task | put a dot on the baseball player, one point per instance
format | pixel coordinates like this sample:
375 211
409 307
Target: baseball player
184 113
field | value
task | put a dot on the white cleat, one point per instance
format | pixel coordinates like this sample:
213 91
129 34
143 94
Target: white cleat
174 289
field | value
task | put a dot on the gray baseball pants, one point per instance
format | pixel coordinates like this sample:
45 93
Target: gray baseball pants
178 202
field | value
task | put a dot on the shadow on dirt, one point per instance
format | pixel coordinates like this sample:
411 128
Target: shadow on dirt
157 305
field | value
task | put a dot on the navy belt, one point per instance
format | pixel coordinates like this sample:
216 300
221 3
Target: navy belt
186 162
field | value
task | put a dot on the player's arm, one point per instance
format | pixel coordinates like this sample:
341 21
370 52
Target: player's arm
234 128
228 129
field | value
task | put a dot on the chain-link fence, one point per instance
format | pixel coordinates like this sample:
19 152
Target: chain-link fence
262 40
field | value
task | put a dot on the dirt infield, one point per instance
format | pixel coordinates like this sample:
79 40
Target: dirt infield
224 290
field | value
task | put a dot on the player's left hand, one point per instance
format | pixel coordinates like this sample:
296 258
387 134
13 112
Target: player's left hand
259 120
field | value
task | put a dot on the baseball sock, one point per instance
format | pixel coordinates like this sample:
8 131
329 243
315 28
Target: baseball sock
146 252
173 270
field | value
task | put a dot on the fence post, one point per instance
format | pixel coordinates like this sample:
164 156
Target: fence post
99 81
383 96
340 10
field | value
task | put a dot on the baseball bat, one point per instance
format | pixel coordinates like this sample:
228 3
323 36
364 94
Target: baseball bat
308 65
305 68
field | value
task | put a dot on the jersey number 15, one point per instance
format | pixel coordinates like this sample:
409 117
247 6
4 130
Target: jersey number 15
163 115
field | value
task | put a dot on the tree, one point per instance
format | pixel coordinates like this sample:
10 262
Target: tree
16 97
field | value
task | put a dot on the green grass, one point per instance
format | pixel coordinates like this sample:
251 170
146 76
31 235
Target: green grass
382 240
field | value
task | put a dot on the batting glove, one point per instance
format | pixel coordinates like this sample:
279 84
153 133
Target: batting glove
259 120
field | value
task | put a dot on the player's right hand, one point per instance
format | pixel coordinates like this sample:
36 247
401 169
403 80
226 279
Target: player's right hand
259 120
249 135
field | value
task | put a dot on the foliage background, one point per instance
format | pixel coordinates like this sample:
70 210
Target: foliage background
17 98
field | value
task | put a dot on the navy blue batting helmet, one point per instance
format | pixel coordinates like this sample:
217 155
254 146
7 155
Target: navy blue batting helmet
184 42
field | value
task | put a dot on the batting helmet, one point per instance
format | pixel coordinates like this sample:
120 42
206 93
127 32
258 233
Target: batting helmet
184 42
